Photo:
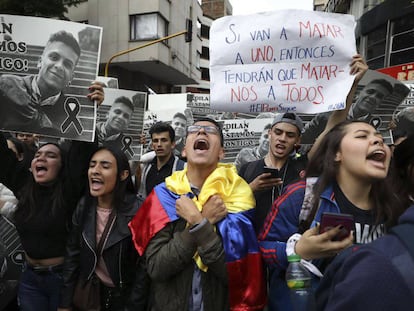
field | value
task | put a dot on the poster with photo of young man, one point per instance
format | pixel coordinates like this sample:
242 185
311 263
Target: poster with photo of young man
170 108
377 99
46 67
120 121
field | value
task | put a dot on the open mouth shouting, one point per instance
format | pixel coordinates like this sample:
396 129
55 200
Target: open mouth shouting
378 158
95 184
40 171
201 145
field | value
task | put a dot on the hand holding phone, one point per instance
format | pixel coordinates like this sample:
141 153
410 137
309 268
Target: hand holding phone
332 220
273 171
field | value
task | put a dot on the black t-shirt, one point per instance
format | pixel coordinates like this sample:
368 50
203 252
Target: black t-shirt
293 170
155 176
366 228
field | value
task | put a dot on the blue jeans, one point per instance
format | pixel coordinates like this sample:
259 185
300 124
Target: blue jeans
39 291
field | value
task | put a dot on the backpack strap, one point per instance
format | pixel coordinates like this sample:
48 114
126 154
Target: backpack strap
178 164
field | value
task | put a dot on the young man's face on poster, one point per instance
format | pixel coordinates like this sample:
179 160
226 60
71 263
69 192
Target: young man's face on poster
369 99
119 116
57 65
179 126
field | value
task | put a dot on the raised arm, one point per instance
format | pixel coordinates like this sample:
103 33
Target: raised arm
358 68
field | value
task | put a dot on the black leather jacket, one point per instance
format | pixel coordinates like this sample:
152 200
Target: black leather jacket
124 265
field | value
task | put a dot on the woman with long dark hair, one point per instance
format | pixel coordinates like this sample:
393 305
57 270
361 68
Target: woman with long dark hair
111 202
47 195
403 171
351 165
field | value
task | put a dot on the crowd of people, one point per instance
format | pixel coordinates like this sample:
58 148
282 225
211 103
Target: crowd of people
191 233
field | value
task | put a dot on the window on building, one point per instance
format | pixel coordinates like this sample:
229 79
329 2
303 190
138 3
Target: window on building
205 74
205 32
402 48
376 44
148 27
205 53
370 4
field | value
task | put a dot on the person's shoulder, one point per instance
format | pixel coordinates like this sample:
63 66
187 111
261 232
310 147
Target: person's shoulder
132 203
249 169
11 81
295 190
180 163
245 150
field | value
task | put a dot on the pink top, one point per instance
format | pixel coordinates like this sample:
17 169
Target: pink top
102 215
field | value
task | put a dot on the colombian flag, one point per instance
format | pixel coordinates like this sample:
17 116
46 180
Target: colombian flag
247 289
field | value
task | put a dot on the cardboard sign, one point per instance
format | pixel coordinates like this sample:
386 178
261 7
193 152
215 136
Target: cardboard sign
282 61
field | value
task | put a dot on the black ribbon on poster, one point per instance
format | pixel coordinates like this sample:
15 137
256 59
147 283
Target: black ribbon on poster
72 109
126 146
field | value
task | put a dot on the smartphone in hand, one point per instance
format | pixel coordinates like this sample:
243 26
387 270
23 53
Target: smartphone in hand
332 220
273 171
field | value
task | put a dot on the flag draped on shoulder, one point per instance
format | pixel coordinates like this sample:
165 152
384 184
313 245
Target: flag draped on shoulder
247 290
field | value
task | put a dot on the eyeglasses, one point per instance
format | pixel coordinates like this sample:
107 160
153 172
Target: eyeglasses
209 129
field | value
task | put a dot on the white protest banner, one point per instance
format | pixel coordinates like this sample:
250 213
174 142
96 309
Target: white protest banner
281 61
109 82
245 140
46 67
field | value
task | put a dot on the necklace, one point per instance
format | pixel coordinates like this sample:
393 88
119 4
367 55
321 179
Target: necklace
279 187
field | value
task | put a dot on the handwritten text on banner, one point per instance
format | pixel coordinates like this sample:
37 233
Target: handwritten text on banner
281 61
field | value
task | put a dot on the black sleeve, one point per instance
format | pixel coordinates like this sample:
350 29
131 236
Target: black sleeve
13 174
140 292
72 258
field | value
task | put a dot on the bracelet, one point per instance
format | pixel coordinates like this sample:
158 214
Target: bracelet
291 243
290 250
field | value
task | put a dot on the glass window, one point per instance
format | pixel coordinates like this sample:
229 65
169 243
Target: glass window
376 50
402 57
403 41
377 35
205 52
403 24
205 32
376 63
147 27
370 4
376 41
205 74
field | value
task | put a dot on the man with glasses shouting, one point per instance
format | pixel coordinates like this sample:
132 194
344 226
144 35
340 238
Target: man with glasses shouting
195 232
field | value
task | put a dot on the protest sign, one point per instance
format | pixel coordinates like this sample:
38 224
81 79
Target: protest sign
245 140
120 121
404 72
46 67
403 118
172 109
109 82
377 99
281 61
11 261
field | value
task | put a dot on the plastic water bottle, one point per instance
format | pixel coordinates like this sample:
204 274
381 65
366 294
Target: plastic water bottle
299 281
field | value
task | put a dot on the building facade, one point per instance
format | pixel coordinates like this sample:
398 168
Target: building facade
129 24
385 29
212 9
